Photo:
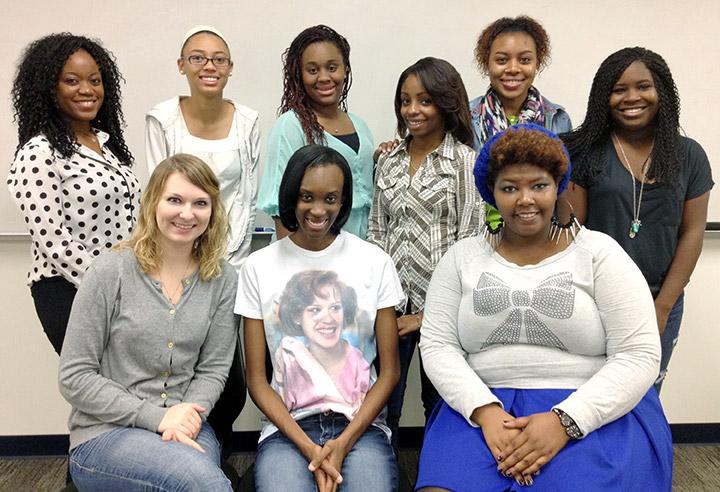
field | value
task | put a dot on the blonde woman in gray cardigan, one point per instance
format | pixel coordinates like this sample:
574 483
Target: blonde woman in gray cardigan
150 341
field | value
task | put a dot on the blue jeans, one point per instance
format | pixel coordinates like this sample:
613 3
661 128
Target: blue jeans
669 338
428 393
369 466
131 459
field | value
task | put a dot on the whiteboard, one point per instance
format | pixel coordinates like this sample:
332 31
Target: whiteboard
385 37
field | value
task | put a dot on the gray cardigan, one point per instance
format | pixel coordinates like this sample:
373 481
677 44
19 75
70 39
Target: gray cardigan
129 354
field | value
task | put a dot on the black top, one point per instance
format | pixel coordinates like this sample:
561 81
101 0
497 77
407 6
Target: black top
610 208
351 140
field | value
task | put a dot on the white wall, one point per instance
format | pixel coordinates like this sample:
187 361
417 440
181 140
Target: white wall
385 37
31 404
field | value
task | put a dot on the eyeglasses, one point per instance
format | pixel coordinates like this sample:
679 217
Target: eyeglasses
218 61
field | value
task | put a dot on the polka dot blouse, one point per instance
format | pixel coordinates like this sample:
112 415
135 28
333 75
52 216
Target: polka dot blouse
74 208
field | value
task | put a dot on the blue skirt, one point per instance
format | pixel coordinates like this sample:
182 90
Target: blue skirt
632 453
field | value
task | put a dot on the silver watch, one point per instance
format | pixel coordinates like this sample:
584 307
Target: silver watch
571 428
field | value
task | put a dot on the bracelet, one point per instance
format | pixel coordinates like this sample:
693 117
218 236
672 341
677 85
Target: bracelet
571 428
419 320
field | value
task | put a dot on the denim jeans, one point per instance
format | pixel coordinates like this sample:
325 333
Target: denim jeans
428 395
370 465
669 338
130 459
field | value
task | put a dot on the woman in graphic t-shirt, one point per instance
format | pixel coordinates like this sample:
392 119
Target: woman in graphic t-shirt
323 302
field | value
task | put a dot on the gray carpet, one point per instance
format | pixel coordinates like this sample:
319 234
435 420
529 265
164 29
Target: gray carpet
697 469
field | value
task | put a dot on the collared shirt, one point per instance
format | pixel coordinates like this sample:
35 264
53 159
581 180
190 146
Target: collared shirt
74 208
416 219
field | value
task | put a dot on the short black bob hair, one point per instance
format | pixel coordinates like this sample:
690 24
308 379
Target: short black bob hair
312 155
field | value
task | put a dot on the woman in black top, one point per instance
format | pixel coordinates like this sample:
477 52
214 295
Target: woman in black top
637 179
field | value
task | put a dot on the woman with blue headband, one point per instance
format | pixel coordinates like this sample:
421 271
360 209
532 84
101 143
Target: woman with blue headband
542 342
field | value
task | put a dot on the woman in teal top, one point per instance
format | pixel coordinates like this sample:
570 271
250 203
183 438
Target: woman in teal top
317 78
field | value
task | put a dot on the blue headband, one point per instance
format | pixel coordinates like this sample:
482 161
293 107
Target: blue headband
482 164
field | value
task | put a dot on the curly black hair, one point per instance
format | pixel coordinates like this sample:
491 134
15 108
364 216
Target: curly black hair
522 23
34 95
586 144
294 96
447 90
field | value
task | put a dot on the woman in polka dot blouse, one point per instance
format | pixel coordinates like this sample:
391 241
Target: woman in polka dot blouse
72 175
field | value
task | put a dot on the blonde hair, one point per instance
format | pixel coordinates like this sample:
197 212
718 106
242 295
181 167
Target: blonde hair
210 247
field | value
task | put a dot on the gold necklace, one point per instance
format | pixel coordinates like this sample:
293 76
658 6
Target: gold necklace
636 222
170 297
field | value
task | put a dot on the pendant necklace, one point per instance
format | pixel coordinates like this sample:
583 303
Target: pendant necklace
636 222
171 296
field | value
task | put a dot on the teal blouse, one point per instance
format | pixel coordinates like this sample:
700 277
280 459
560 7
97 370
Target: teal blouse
287 136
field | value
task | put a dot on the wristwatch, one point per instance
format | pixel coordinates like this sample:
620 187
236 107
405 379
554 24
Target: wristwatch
571 428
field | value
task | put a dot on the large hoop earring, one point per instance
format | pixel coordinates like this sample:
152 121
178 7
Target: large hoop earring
569 228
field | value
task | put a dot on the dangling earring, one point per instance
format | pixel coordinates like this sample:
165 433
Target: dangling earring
493 234
569 228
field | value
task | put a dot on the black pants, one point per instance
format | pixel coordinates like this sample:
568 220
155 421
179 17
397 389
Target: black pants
53 299
230 403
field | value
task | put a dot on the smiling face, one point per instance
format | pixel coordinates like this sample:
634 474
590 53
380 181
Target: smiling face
512 66
421 115
322 321
323 74
318 205
80 90
634 99
182 213
525 195
207 78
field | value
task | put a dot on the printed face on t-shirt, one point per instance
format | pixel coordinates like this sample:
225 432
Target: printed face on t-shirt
318 345
322 321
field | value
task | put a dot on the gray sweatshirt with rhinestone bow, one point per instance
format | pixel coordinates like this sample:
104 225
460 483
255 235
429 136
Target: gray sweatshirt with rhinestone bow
581 319
129 354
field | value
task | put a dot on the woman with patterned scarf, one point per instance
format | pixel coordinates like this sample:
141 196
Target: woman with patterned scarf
511 52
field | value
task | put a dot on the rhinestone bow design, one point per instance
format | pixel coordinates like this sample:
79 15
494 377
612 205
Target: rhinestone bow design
554 297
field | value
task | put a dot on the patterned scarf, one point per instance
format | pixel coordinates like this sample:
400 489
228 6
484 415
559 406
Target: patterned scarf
493 120
492 114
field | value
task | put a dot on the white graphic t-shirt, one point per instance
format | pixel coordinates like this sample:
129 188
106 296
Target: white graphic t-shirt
318 309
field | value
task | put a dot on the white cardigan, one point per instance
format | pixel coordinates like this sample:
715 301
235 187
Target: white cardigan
166 134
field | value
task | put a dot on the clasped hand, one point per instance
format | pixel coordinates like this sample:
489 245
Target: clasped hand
326 463
521 445
182 423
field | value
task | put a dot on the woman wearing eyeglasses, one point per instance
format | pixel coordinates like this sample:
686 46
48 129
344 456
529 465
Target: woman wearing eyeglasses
221 132
226 135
